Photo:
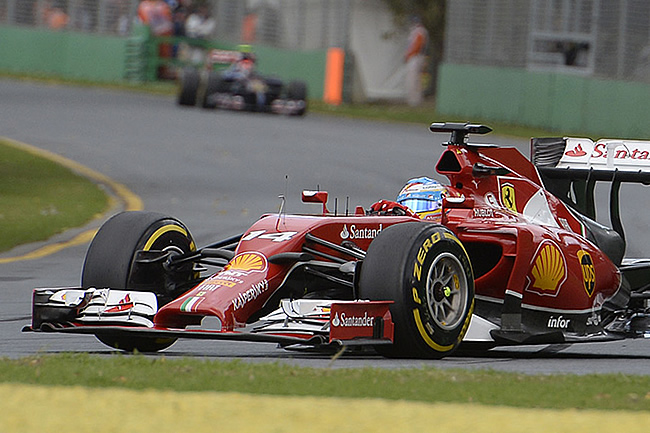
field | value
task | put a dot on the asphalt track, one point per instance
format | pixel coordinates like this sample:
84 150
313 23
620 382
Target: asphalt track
218 172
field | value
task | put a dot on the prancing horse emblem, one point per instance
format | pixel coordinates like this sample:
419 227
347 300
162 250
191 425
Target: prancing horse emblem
508 197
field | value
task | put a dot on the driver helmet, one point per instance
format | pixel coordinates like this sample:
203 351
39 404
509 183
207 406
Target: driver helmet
423 196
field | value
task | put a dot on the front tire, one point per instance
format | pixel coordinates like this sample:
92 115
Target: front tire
297 92
110 263
426 271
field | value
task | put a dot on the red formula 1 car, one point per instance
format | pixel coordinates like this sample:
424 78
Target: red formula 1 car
505 254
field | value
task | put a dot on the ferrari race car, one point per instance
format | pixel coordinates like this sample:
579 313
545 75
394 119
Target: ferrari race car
507 253
240 87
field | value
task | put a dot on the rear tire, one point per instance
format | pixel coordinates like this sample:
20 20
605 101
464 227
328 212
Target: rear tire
425 270
189 86
110 264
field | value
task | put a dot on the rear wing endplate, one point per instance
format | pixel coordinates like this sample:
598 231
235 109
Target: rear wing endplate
570 168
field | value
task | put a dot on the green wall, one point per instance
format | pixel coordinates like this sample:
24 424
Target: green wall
110 58
67 54
307 66
559 102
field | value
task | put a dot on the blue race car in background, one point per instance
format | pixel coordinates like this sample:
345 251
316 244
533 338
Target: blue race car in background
240 87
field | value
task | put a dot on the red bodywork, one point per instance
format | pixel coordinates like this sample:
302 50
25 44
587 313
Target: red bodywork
521 240
242 288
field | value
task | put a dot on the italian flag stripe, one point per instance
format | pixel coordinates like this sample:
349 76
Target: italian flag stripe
188 304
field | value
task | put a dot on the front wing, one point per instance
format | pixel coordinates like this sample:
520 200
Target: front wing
123 313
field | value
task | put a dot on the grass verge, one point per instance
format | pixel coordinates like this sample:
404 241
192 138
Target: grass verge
423 115
602 392
39 198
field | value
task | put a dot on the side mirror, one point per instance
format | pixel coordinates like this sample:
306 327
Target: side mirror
316 197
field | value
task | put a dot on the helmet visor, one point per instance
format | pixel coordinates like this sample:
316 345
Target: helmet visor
418 205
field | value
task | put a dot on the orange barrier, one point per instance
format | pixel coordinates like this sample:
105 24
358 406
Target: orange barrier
333 87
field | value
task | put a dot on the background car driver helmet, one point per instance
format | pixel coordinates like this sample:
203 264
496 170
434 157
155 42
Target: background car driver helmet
423 196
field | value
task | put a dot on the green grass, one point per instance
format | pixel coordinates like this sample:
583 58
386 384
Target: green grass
162 87
610 392
39 198
423 115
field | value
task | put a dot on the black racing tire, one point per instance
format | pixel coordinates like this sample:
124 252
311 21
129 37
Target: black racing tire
297 91
109 263
136 343
213 85
274 89
424 269
190 80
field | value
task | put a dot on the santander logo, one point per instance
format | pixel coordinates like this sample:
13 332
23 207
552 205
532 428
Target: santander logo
623 151
576 151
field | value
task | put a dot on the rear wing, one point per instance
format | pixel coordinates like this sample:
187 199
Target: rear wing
608 155
570 168
223 57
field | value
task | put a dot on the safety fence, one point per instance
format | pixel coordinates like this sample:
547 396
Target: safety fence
287 24
106 40
591 38
113 17
580 66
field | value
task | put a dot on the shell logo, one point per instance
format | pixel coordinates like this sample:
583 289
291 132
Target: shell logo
247 262
548 271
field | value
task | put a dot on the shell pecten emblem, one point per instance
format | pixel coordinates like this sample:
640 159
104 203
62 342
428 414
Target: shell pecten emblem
548 271
247 262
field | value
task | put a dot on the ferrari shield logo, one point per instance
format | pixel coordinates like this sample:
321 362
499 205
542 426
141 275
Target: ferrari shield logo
588 271
508 196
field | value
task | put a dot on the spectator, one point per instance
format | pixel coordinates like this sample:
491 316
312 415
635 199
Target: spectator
200 24
53 16
157 15
178 22
414 58
249 28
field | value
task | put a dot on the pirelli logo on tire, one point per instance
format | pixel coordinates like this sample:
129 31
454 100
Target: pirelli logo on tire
422 253
424 249
442 290
424 269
